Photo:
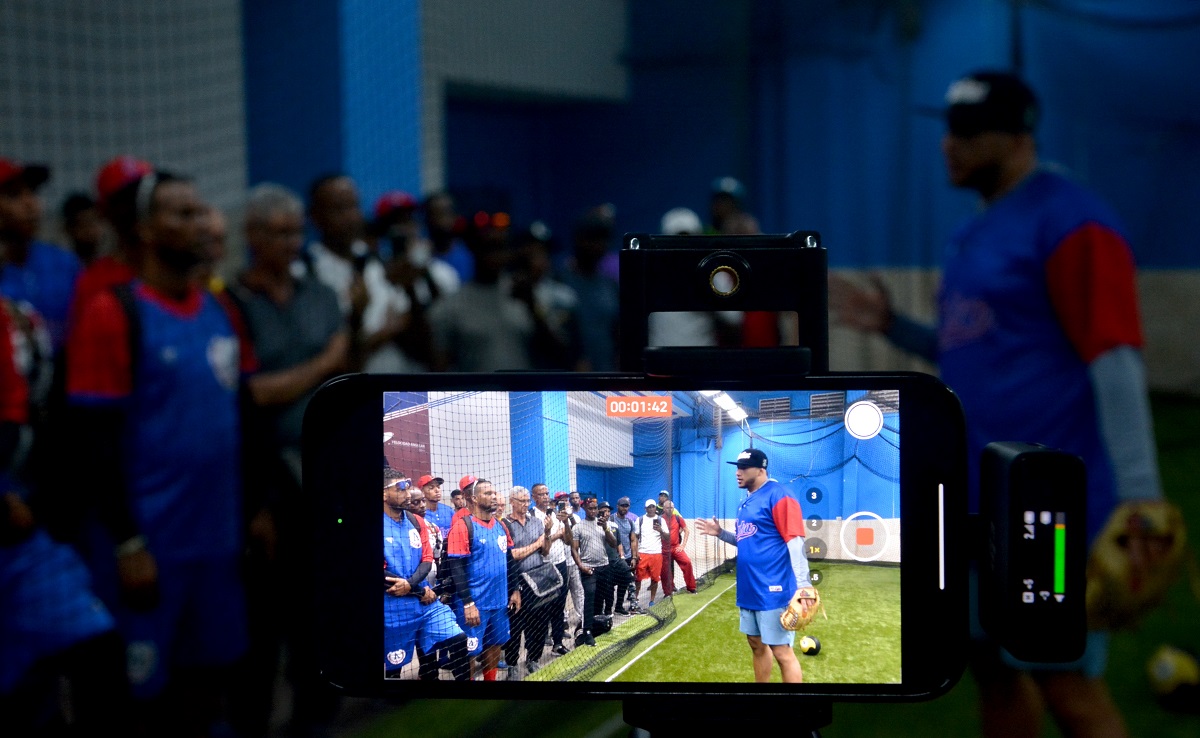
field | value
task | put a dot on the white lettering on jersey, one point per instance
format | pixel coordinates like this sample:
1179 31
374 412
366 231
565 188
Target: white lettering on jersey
774 588
414 538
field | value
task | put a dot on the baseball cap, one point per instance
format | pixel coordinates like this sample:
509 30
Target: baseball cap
729 186
623 501
390 202
561 495
603 505
664 492
651 503
119 173
466 481
429 478
34 175
751 458
990 101
680 222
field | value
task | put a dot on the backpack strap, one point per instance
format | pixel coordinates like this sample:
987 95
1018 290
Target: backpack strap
125 298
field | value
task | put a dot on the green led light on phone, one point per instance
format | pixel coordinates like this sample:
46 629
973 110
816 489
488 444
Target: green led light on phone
339 521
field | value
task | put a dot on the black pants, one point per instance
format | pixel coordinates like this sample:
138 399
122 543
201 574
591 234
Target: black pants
589 582
531 621
555 610
613 582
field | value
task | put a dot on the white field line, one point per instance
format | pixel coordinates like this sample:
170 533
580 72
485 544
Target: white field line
671 632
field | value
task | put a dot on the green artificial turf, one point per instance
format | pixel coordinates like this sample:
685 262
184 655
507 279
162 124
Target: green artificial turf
860 641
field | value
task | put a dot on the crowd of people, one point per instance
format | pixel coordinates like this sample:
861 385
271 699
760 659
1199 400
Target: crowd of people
180 388
477 591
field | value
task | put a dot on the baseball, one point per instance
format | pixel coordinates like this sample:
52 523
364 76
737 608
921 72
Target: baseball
810 646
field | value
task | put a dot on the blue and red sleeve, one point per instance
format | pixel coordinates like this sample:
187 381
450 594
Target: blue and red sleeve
1092 283
248 359
99 366
14 390
789 520
457 543
426 548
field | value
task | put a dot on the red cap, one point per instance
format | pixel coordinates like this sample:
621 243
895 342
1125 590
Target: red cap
35 175
392 201
427 479
466 481
561 495
119 173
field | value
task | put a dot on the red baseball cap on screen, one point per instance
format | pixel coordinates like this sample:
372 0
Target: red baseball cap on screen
427 479
466 481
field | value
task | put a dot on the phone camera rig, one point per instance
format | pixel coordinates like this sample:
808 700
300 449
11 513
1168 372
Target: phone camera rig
716 273
1024 565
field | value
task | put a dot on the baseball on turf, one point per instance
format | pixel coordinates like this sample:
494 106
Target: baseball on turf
810 646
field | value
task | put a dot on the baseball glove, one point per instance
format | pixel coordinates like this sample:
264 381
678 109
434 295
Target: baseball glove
802 610
1134 561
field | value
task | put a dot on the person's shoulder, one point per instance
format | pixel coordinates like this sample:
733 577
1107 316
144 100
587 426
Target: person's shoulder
1065 204
54 255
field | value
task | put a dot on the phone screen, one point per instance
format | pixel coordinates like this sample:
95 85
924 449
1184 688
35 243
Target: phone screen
708 487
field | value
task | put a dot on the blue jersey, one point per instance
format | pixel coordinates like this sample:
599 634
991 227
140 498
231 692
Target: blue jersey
1023 310
442 517
404 548
180 396
767 519
47 281
487 559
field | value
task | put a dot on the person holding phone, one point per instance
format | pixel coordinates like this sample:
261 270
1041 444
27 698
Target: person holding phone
653 535
771 565
555 545
588 549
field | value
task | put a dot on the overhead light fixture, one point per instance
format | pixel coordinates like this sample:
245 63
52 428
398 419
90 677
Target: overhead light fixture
737 414
710 393
724 401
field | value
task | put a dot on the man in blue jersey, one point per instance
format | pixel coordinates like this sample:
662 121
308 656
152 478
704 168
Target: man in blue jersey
436 511
1039 335
154 378
771 564
412 615
480 558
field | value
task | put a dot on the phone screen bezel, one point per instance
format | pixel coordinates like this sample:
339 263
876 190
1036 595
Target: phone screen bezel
342 449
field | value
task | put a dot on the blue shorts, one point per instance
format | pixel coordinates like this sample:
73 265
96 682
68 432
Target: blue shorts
434 624
1095 654
200 621
48 604
491 631
765 625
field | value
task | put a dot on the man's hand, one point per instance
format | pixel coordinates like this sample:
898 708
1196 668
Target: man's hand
862 309
471 613
399 588
514 601
138 572
428 596
708 527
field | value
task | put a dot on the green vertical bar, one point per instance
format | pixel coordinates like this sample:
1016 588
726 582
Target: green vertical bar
1060 558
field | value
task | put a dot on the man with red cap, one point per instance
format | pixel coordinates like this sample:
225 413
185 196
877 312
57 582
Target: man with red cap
436 511
117 198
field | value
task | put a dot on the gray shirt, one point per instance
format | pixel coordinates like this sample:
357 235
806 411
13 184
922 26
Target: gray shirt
591 543
288 335
523 535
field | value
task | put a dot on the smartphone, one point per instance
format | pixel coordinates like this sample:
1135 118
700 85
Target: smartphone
875 464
